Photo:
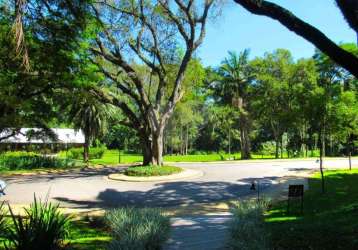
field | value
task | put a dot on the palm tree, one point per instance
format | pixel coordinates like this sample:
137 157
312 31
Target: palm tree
92 116
235 78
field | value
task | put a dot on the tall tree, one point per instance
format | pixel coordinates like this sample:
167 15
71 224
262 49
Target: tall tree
149 32
91 116
53 34
235 79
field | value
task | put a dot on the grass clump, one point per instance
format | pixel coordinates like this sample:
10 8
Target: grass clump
329 220
152 170
28 160
42 227
247 230
137 228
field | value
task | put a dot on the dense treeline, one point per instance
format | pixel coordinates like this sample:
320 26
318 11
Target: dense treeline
128 75
271 105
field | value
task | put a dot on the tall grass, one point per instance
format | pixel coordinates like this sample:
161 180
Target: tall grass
247 231
43 227
137 229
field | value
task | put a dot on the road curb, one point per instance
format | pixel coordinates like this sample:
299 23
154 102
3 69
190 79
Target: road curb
185 174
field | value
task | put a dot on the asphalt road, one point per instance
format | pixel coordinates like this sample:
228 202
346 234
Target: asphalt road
221 181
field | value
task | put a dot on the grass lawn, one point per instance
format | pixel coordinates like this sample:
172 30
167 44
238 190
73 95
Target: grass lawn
87 237
330 221
112 157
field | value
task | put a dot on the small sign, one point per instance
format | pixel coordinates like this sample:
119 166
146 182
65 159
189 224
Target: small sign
295 191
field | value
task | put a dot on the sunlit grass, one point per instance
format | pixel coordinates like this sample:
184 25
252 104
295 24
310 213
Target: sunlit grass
329 220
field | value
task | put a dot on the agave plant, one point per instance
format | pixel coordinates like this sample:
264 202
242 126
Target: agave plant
137 228
3 220
43 227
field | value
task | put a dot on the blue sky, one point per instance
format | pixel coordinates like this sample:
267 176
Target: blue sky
238 29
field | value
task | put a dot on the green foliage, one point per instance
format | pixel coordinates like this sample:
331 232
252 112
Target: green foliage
43 227
94 153
247 229
329 220
138 229
29 160
268 148
152 170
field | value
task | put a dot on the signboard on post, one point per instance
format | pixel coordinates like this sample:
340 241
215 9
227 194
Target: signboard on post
295 192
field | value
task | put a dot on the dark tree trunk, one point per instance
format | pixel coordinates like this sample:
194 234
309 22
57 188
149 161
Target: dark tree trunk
147 152
245 138
321 155
86 150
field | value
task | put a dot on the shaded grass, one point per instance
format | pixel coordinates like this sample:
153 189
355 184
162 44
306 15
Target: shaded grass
152 170
329 221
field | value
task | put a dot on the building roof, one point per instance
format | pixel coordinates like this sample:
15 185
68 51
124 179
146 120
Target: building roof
62 136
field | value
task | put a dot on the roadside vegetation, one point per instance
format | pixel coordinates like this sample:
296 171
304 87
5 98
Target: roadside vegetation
328 220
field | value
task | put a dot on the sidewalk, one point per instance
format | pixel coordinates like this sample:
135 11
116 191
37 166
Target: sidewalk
209 230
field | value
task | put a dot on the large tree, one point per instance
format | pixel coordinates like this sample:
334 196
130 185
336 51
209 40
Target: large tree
53 31
341 56
232 88
149 34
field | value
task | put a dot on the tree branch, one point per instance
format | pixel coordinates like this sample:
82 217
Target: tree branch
305 30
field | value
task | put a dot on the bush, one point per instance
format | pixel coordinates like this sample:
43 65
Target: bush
138 229
247 230
43 227
94 153
151 170
29 160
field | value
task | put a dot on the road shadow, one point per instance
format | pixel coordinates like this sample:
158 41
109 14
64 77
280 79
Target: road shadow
172 194
68 174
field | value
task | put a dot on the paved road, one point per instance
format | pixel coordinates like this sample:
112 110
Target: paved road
221 181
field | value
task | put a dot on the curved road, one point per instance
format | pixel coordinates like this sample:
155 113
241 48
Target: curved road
221 181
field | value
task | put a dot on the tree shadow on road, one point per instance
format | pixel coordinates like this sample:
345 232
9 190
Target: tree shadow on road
172 194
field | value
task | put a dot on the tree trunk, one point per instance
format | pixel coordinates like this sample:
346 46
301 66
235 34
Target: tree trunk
157 148
321 162
186 139
86 150
147 153
281 146
277 147
245 139
229 142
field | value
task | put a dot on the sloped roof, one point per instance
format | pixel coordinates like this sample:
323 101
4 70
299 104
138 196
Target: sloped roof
64 135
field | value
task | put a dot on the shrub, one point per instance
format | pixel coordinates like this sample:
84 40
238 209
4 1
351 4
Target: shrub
94 153
43 227
247 230
29 160
151 170
138 229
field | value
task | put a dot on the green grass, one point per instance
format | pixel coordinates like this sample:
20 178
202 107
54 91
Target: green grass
329 221
85 236
111 157
152 170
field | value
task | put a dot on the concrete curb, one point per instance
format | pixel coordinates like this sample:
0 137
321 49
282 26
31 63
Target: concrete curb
185 174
